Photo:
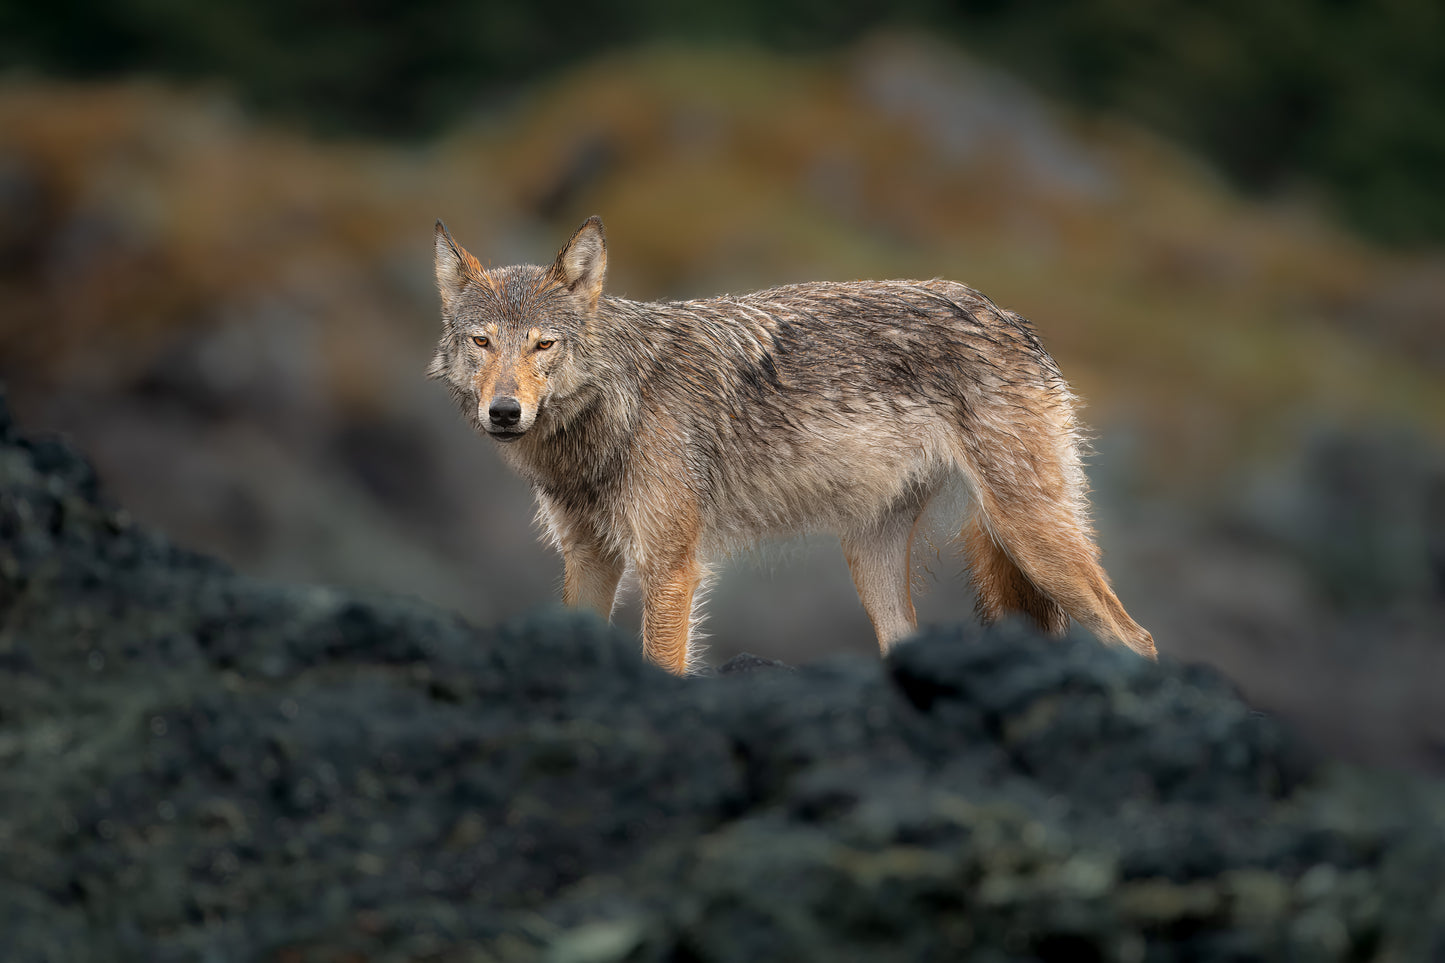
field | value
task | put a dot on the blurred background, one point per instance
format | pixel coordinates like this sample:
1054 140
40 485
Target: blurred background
1225 219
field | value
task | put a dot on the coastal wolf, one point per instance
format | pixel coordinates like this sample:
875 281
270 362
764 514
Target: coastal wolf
661 434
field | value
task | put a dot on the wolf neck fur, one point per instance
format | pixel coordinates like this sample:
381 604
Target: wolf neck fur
633 353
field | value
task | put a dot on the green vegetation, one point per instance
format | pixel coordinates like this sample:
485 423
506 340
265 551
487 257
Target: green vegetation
1342 98
1347 95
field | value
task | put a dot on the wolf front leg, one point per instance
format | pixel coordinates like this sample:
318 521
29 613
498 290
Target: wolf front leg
591 576
668 585
592 570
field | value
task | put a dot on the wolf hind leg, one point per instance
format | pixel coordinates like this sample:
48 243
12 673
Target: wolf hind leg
878 557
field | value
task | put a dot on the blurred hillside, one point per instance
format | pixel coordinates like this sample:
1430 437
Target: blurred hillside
1342 100
232 318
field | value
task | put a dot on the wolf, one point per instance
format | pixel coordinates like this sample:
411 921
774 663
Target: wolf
661 435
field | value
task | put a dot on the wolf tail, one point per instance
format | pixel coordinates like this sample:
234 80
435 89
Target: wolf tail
1028 539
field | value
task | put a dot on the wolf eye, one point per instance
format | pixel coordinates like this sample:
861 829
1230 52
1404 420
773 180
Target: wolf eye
545 343
481 341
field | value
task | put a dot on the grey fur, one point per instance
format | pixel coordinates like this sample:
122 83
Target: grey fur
840 407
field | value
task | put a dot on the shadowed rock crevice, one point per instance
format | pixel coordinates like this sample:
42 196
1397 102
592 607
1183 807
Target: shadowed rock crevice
200 765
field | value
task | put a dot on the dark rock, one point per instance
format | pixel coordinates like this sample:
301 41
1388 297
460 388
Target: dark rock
200 765
746 663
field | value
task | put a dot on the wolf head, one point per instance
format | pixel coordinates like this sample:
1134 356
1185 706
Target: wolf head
512 337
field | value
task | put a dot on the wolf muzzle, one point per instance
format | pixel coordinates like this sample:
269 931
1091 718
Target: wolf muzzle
503 416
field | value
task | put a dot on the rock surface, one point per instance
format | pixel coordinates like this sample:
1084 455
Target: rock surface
203 766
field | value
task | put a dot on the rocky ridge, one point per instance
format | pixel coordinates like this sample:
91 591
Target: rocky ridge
201 765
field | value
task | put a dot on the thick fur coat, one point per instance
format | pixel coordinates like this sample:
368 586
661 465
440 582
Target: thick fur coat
659 435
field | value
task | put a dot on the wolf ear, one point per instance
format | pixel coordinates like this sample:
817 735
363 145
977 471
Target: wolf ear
455 267
582 263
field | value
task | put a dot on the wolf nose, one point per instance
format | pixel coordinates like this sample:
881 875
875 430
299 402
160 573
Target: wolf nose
505 412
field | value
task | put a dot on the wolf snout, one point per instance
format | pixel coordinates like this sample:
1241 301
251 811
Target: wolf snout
505 412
